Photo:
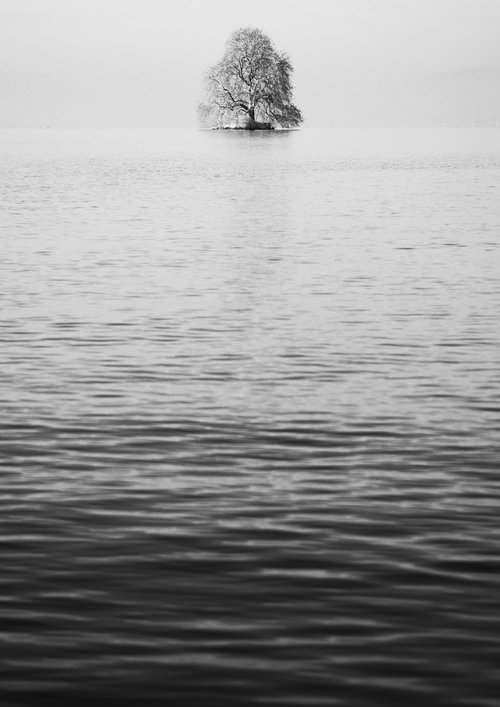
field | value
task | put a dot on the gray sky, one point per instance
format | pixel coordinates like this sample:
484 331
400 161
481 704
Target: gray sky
139 63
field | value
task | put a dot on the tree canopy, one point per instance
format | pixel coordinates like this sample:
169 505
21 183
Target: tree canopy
250 86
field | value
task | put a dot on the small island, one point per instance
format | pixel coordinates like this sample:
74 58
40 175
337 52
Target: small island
250 88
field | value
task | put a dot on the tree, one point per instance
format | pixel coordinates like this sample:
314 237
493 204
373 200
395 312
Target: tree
250 86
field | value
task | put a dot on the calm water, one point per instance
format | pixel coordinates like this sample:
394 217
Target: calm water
250 420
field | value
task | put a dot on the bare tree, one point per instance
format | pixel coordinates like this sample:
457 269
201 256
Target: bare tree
250 86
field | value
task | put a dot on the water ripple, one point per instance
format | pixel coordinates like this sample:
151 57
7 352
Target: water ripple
249 425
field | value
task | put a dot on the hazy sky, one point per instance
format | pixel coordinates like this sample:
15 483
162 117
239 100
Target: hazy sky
134 63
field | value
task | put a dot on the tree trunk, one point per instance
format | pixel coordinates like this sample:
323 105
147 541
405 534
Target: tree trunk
251 119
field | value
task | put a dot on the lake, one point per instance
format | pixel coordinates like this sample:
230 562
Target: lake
250 420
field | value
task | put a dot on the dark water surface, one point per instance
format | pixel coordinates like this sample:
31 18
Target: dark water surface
250 420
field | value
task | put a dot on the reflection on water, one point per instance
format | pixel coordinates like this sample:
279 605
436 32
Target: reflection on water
250 418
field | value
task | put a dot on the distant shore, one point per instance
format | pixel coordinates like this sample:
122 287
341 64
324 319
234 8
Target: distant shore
254 126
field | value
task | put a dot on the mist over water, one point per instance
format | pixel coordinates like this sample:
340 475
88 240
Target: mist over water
249 428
